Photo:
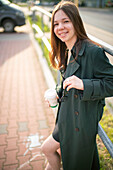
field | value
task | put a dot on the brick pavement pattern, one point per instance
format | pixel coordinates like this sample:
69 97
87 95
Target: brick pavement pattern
25 119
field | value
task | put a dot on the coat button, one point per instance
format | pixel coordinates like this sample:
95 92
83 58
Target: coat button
77 129
75 95
76 113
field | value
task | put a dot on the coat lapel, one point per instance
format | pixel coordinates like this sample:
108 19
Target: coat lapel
71 68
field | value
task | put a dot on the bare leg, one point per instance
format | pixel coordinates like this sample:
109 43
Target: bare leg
49 148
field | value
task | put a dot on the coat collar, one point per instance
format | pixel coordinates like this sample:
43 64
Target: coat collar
73 65
73 51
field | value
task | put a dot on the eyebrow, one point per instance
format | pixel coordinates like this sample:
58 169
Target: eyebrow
62 19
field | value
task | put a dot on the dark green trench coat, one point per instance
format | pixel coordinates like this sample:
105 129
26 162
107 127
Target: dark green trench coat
79 114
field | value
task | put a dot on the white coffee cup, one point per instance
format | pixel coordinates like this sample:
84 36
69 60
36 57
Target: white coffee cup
51 96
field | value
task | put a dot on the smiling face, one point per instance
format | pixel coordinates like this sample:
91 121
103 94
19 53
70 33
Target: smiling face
63 29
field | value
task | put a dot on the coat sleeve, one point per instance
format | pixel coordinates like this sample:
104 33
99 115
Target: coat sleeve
101 85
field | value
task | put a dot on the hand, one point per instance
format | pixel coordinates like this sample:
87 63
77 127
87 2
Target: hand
73 82
47 102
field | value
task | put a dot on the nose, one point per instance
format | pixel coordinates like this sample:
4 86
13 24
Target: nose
60 26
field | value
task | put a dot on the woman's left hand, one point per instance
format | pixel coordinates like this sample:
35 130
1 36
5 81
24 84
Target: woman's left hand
73 82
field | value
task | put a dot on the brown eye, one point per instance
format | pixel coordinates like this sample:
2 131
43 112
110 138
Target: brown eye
55 24
66 21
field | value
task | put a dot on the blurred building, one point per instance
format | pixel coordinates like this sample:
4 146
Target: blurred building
95 3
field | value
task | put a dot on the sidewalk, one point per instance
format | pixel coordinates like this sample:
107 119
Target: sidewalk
25 119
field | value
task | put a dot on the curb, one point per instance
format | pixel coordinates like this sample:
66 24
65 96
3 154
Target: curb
47 73
44 65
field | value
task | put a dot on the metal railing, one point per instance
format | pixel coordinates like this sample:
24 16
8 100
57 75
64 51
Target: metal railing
107 48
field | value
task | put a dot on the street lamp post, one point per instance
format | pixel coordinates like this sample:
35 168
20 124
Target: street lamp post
76 2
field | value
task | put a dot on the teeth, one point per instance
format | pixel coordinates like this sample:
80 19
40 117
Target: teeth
62 34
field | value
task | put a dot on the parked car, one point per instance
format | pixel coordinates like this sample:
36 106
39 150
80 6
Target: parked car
10 16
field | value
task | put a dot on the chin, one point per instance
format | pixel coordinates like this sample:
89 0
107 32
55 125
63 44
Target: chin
63 39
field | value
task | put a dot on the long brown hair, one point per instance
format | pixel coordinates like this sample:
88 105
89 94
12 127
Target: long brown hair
58 48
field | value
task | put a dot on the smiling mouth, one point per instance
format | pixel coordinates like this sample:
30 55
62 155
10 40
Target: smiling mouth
63 34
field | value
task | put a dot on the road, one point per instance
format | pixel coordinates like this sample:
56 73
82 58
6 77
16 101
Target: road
99 23
100 18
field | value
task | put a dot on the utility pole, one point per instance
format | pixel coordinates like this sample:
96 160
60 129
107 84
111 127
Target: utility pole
76 2
100 4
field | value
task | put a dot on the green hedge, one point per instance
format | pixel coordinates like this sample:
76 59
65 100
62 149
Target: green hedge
106 161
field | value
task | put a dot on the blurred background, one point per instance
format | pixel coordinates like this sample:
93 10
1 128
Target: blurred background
25 120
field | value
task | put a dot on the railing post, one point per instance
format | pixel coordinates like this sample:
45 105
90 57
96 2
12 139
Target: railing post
58 77
108 144
42 25
34 15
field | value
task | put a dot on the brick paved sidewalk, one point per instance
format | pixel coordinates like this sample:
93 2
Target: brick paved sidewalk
25 119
